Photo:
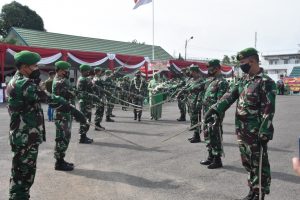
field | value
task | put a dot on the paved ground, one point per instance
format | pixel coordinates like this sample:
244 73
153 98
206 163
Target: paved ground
135 165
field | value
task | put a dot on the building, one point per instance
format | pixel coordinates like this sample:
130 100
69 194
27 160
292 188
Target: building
277 65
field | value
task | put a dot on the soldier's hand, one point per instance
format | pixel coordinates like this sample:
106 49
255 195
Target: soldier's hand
208 117
263 139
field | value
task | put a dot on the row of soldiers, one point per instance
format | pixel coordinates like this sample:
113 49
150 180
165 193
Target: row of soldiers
255 95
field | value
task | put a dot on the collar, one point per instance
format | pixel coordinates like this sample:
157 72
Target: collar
259 74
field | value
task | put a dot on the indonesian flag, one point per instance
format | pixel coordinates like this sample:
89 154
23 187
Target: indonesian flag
139 3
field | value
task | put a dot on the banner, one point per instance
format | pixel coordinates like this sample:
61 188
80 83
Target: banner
293 83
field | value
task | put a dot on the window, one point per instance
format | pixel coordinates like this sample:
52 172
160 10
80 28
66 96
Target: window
297 61
271 62
286 62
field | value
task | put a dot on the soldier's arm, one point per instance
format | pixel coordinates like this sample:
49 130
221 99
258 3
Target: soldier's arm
227 99
268 94
222 89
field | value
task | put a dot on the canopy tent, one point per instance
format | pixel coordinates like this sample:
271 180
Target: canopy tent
177 65
49 56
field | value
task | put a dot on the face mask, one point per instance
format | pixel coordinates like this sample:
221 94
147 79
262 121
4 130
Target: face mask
245 68
211 72
67 74
35 74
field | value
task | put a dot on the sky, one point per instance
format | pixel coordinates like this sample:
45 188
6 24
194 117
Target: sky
218 27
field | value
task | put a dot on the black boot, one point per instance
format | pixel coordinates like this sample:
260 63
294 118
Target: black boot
249 196
216 163
112 115
85 140
256 196
108 119
181 118
196 138
62 165
208 161
139 116
135 115
99 127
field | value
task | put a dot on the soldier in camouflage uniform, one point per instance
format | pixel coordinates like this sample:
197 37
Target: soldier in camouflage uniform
181 98
27 129
125 85
99 86
85 96
255 94
109 85
138 86
216 88
63 118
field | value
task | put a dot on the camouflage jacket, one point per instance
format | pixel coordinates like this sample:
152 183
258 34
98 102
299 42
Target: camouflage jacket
62 87
216 88
255 103
85 89
138 86
26 114
98 85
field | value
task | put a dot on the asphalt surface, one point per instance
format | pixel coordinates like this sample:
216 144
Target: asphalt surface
133 163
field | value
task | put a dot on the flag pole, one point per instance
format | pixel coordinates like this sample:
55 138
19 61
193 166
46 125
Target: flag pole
152 37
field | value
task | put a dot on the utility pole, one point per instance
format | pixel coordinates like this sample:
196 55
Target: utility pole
185 46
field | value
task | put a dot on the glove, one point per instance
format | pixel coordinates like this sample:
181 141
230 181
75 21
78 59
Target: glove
208 115
78 115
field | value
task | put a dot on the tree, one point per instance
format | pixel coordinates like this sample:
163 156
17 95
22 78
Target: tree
136 42
226 60
15 14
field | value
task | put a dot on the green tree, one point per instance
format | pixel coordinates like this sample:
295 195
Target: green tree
226 60
15 14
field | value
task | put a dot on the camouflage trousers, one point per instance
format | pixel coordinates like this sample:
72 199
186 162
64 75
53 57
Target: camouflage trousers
213 136
99 113
63 123
139 102
249 145
23 171
182 106
196 118
86 109
109 107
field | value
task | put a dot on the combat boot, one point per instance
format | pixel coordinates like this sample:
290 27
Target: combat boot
99 127
139 116
196 138
256 196
208 161
85 140
216 163
181 118
61 165
108 119
249 196
135 115
112 115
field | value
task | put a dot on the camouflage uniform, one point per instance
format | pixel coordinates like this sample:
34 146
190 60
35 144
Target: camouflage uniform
63 118
138 86
181 100
85 89
124 95
254 114
26 133
97 81
109 85
216 88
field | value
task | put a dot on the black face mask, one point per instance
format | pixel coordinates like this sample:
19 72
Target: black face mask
35 76
245 68
67 74
211 72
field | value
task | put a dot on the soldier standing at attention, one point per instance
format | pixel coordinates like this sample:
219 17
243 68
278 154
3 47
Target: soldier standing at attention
27 129
85 90
109 87
63 118
97 81
216 88
255 94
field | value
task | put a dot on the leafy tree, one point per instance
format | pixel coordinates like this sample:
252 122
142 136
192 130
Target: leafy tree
180 57
15 14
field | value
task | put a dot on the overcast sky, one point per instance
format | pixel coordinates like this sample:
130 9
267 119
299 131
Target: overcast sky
219 27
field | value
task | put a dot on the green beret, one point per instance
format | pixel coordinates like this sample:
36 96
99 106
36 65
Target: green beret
97 69
246 53
27 57
62 65
108 71
214 63
194 68
84 68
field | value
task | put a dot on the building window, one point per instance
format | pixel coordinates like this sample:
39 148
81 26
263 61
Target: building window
275 62
286 62
271 62
297 61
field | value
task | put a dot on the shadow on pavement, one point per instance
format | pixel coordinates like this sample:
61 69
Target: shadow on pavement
125 178
135 133
275 175
131 147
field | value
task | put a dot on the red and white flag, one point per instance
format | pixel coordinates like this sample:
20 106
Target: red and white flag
139 3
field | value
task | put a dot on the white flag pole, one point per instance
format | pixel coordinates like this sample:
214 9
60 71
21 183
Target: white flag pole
153 37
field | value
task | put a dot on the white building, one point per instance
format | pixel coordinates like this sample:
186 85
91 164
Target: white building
280 64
